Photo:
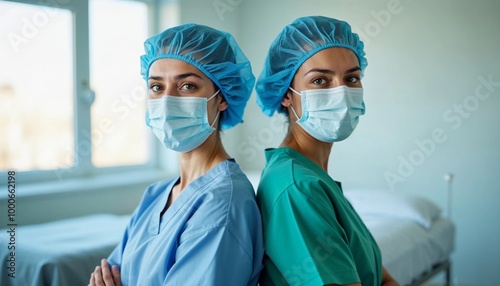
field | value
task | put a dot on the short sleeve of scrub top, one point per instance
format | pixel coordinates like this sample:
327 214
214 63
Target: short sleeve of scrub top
312 234
211 235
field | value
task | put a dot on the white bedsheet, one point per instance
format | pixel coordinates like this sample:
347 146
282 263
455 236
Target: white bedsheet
63 252
408 249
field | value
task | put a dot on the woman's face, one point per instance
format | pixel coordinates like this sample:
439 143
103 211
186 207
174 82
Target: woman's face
328 68
178 78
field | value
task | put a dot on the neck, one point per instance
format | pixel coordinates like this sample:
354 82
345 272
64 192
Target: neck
199 161
313 149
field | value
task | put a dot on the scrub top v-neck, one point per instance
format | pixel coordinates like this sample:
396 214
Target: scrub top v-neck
210 235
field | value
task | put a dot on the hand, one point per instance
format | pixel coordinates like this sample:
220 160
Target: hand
105 276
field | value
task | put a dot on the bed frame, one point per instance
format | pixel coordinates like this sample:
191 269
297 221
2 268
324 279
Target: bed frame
436 269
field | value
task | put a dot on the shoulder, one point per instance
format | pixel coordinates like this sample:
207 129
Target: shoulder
242 207
226 194
286 173
237 183
229 183
227 204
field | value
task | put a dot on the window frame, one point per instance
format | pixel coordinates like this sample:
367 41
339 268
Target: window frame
83 98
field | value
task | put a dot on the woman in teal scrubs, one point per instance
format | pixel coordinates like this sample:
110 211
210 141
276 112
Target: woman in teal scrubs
312 235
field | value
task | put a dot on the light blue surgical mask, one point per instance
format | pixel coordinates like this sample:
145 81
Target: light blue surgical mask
331 114
180 123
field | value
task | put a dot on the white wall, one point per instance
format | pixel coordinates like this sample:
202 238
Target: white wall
426 59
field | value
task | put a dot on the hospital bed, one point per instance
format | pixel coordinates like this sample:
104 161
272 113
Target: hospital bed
63 252
415 240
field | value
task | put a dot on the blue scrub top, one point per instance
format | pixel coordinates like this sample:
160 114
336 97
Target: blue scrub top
210 235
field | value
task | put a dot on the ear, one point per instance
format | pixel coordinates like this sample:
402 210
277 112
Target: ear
287 99
222 104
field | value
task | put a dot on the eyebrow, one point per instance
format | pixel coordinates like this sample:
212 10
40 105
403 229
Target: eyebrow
327 71
177 77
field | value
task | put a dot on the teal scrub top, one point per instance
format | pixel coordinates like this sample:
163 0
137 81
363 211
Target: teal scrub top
312 235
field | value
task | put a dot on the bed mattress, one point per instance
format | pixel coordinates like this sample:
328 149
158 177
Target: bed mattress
63 252
408 249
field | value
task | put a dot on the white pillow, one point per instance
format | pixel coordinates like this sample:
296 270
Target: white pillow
394 204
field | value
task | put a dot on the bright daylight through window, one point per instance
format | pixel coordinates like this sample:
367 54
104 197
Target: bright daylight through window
117 31
40 66
36 87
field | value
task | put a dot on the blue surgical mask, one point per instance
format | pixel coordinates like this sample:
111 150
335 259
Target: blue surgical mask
180 123
331 114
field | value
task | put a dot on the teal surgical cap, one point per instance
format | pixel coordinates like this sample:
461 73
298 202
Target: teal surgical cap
294 45
213 52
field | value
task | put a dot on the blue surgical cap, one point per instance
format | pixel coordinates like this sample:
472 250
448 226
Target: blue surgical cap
294 45
213 52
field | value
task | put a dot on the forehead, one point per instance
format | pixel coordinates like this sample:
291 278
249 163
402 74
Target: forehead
335 59
172 67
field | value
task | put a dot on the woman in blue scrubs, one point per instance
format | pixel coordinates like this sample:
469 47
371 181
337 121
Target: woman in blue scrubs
312 234
202 227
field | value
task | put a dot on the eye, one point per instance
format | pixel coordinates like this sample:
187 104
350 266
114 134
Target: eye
319 81
155 88
353 79
188 86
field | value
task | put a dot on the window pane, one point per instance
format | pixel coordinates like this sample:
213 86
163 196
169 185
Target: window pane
36 87
117 32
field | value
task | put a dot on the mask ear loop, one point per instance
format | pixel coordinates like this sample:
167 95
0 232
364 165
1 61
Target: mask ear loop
218 111
208 99
291 106
215 120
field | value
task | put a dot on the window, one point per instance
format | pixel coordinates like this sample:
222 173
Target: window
36 118
72 100
117 32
